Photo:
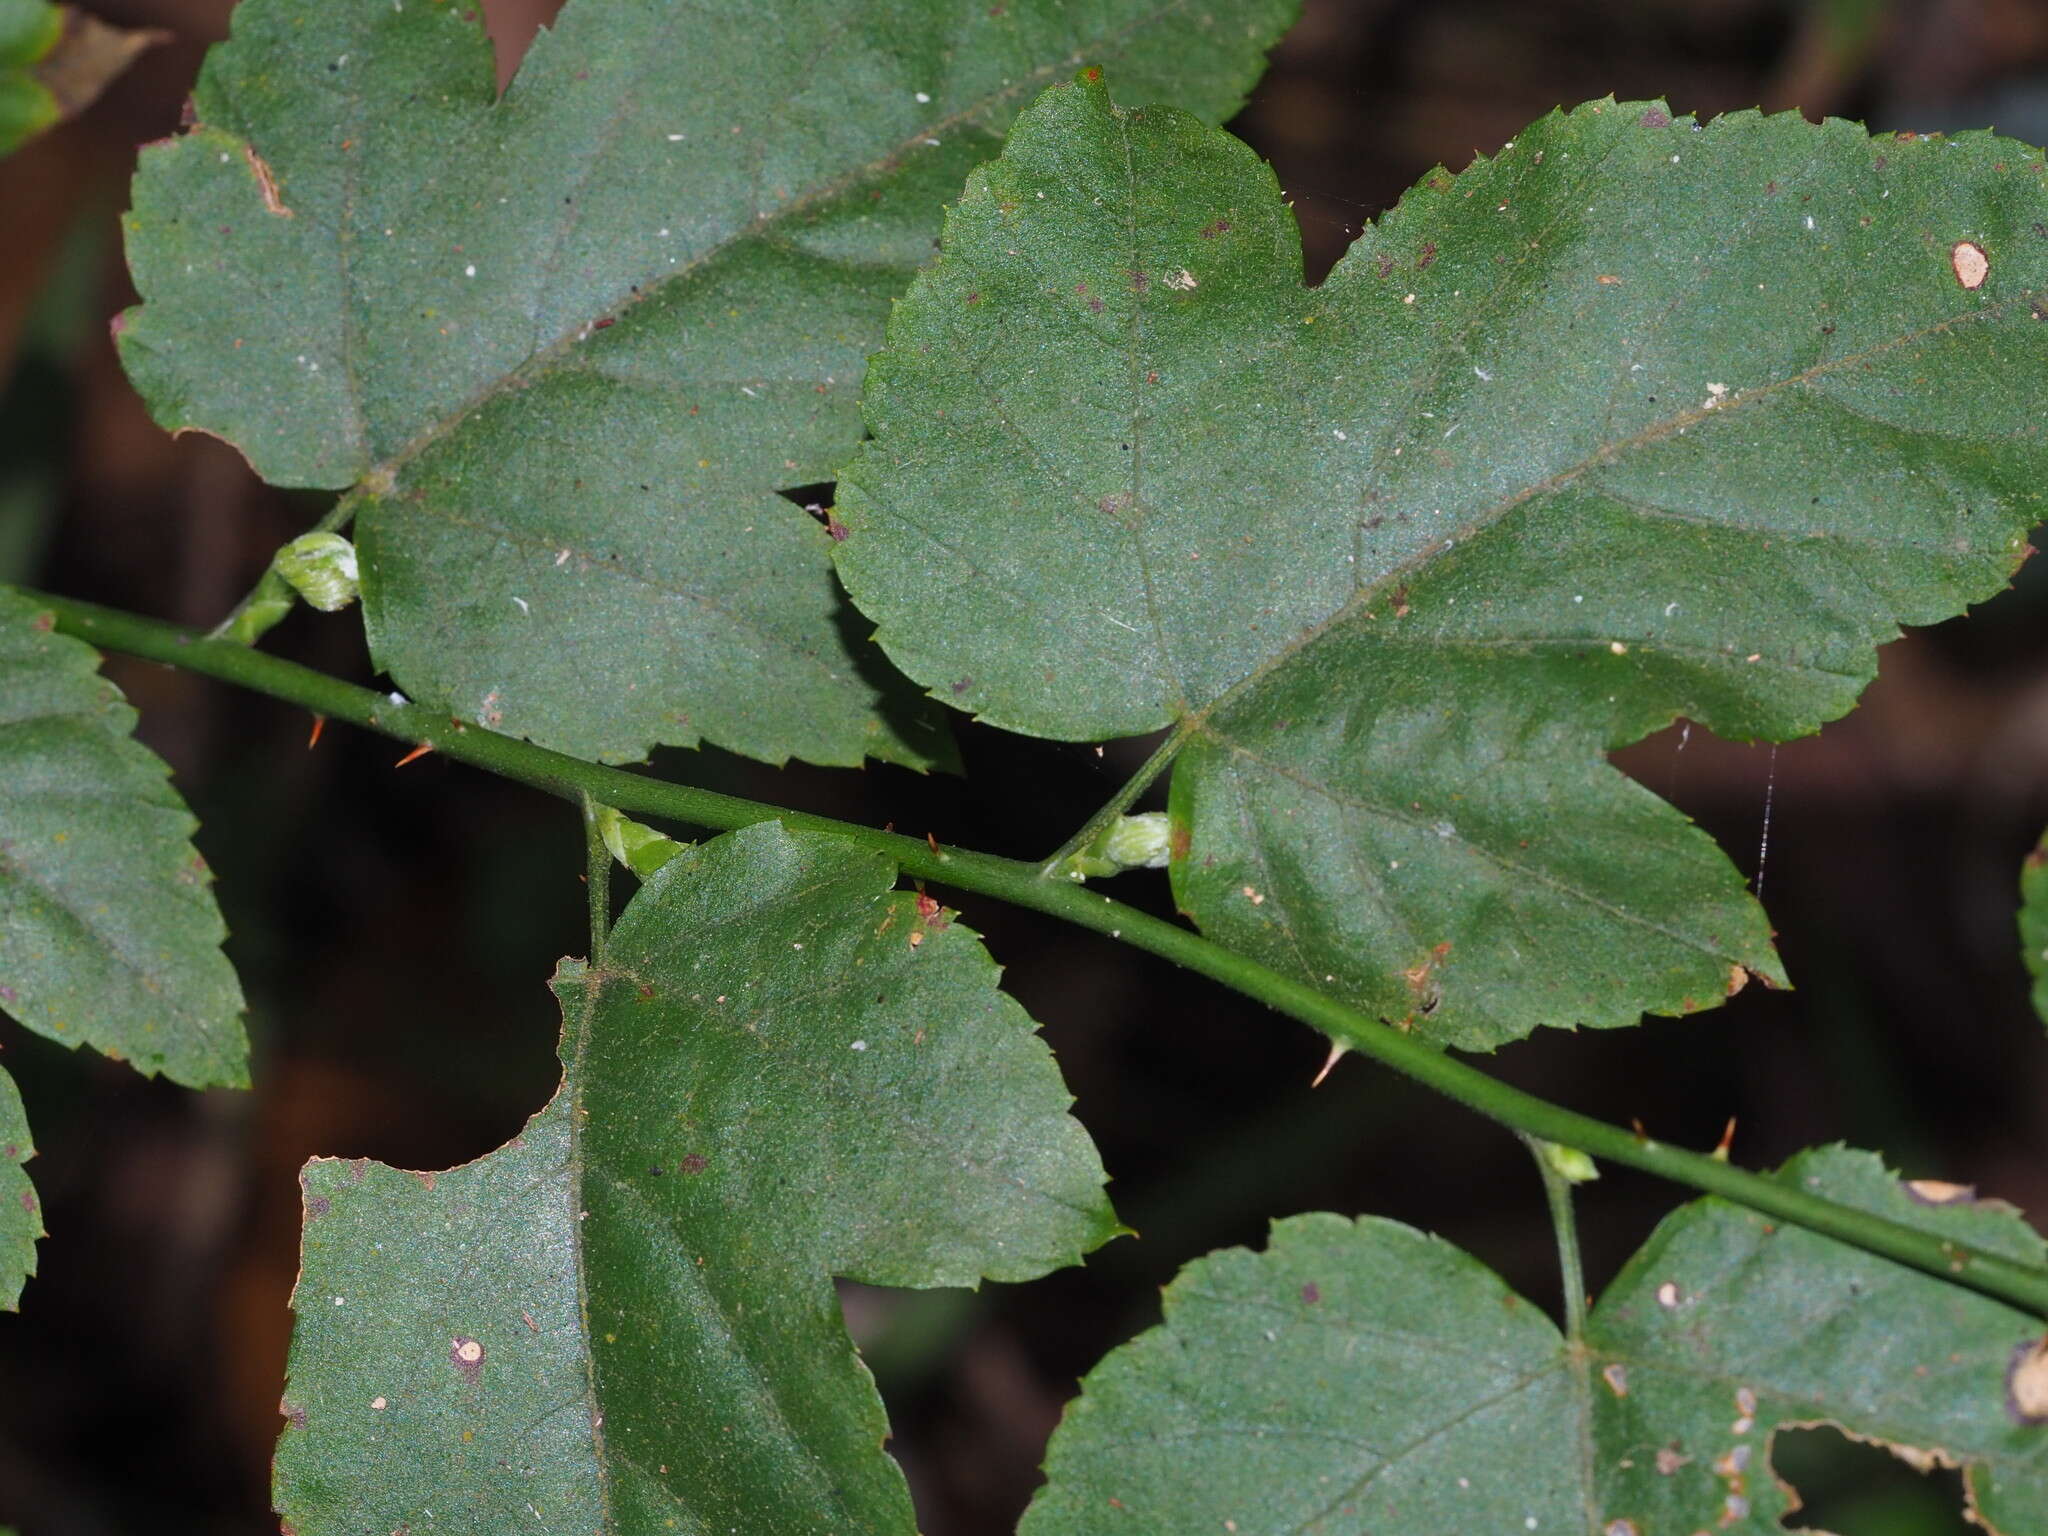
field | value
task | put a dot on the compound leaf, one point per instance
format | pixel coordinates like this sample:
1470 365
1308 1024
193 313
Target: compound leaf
109 934
1364 1377
565 344
624 1321
1639 419
21 1214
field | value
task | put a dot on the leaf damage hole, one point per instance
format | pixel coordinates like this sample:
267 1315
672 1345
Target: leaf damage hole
1846 1484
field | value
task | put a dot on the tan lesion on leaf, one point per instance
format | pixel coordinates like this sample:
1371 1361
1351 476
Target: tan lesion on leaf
1940 1192
1421 979
2026 1382
266 182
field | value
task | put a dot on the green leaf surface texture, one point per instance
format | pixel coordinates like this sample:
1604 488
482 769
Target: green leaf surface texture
625 1321
109 934
21 1213
566 344
1639 419
1363 1377
2034 923
29 29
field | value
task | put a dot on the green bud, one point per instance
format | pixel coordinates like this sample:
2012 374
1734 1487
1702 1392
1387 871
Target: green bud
1130 842
322 568
1137 842
1568 1163
640 848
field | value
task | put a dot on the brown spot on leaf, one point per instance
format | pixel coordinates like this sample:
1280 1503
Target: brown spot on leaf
1655 117
317 1206
1419 976
1670 1458
696 1162
1427 259
1616 1376
1738 978
292 1412
1311 1293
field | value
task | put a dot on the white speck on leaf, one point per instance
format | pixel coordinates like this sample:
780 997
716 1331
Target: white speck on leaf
858 1045
923 97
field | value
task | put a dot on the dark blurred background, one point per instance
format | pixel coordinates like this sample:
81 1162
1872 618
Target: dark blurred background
394 929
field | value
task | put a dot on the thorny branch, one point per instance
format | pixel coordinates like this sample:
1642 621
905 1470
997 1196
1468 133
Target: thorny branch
1024 884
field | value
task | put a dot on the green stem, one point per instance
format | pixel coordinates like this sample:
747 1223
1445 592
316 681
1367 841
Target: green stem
1119 803
1023 885
1557 1189
267 603
597 878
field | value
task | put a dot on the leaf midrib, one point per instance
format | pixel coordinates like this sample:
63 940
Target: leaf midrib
1402 572
383 473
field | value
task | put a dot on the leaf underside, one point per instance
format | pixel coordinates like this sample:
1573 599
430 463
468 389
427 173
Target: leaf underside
109 934
625 1319
567 344
21 1213
1365 1377
1638 419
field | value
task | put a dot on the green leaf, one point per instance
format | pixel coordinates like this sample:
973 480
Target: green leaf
54 62
109 935
2034 923
566 344
1366 1377
1639 419
21 1214
625 1320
